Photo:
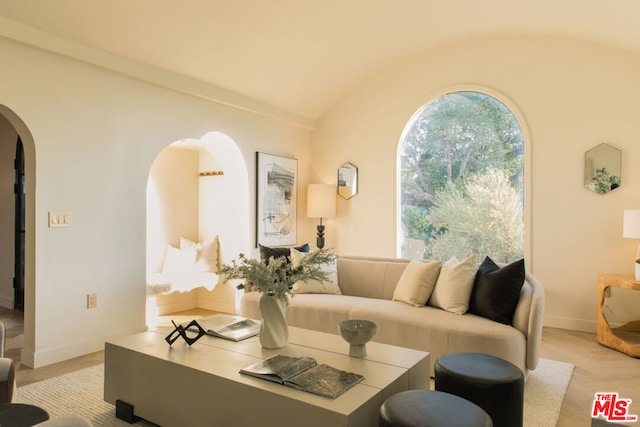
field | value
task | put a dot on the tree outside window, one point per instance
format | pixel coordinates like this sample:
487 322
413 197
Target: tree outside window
461 180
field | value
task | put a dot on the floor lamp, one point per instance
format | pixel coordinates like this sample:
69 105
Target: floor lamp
321 203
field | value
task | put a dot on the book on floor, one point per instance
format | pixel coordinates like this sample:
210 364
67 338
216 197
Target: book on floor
304 373
234 328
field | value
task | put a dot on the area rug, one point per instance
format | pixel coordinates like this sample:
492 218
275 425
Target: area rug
81 393
544 391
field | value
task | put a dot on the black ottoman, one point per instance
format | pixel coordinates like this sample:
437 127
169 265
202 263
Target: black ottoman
425 408
21 415
494 384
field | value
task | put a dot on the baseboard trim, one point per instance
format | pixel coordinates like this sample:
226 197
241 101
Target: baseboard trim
570 323
6 302
61 353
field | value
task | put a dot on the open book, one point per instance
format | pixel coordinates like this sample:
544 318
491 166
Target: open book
234 328
304 373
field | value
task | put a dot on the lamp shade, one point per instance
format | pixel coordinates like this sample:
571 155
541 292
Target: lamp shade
631 224
321 201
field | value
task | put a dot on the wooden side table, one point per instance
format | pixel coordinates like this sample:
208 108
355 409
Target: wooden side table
624 338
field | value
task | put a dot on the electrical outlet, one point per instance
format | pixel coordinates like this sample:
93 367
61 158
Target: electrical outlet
92 300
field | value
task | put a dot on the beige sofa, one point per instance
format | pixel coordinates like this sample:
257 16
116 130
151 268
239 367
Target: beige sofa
367 286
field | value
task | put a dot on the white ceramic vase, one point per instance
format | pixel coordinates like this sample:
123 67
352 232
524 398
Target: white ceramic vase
274 331
637 272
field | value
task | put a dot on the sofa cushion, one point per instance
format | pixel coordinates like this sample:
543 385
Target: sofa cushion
369 277
496 290
440 332
329 286
320 312
454 285
417 282
267 252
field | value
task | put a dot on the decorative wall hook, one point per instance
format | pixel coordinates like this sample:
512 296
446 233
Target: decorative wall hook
181 331
211 173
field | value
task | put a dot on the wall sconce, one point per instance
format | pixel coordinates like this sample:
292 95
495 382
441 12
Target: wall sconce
321 203
631 230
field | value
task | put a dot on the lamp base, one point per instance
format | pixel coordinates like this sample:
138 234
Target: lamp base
320 238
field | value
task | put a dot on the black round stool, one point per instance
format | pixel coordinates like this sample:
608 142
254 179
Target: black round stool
426 408
494 384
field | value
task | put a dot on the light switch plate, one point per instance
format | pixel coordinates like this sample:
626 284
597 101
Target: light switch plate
59 219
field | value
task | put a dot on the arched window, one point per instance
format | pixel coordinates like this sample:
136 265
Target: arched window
461 180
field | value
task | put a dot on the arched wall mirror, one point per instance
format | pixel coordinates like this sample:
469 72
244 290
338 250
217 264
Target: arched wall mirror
602 169
347 180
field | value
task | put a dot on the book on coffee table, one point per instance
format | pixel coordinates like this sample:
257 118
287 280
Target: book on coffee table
234 328
304 373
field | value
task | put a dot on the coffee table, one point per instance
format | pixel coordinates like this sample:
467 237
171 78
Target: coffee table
201 385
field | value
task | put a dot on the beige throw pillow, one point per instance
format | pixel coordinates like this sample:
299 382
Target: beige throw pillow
329 286
417 282
454 285
207 254
178 263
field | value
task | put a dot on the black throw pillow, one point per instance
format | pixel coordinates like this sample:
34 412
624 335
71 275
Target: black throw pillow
496 290
267 252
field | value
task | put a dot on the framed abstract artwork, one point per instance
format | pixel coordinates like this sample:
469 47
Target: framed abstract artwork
276 199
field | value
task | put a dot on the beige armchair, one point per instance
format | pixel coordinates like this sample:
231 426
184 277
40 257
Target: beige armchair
8 387
7 372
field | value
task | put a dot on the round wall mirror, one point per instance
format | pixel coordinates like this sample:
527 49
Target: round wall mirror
347 180
602 169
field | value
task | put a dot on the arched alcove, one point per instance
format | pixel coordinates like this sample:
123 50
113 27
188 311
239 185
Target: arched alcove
197 189
28 145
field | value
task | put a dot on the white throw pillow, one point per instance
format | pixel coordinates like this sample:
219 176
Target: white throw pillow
329 286
417 282
454 285
207 254
178 262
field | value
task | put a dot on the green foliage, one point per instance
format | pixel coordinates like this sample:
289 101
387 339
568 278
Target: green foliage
602 182
454 140
481 215
456 136
276 278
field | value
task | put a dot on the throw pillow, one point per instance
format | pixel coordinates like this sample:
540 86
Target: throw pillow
454 285
267 252
329 286
417 282
496 290
178 263
206 254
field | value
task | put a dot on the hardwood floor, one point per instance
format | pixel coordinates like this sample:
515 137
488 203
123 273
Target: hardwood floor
597 368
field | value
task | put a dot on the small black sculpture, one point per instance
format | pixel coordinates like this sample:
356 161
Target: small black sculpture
181 331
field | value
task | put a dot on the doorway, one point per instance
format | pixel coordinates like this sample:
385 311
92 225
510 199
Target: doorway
20 190
17 227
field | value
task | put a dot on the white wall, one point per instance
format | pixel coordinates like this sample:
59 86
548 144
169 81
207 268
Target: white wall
8 137
95 135
572 95
225 200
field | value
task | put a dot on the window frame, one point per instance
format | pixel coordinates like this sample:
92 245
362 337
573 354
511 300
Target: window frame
527 161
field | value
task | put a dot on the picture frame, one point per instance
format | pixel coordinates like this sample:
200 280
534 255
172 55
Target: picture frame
276 200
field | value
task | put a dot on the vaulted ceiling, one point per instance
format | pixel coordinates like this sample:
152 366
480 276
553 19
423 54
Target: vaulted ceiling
302 56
